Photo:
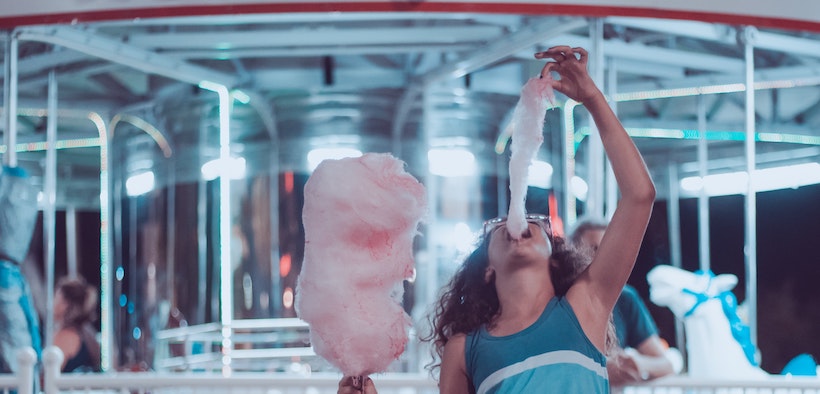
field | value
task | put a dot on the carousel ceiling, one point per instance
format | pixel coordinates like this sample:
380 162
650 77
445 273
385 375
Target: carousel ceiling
364 74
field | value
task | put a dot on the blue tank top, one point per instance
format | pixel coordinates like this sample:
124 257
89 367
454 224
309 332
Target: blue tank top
81 362
553 355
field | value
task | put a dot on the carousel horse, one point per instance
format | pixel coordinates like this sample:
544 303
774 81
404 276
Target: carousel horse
718 342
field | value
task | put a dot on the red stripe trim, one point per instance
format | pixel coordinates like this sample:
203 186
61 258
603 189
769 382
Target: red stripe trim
411 6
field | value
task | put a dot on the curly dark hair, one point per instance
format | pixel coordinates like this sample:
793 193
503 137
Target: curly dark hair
468 301
81 300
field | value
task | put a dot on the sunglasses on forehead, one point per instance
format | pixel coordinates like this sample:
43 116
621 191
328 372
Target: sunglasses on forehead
538 219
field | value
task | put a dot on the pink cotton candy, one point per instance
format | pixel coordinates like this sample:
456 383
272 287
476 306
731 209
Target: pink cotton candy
526 130
360 217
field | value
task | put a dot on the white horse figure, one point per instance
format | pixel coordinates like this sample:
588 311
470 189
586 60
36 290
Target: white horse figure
717 341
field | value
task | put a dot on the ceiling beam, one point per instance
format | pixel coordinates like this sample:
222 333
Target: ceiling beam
722 34
312 37
123 53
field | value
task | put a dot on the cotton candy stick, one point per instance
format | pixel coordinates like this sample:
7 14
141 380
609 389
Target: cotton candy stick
360 217
526 130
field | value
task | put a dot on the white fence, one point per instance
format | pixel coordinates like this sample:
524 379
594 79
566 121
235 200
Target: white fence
210 382
326 383
23 381
685 385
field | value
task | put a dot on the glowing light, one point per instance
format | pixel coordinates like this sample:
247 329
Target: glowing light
240 96
318 155
691 184
712 135
287 298
579 188
139 184
212 86
714 89
451 162
143 125
540 174
464 237
288 182
64 144
233 168
284 265
767 179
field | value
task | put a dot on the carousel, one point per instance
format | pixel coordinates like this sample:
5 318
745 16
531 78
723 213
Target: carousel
160 153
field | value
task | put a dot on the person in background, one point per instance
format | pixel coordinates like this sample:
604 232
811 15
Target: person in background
634 326
500 326
75 305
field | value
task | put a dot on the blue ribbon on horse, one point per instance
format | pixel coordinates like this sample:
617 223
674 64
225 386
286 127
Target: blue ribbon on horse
740 331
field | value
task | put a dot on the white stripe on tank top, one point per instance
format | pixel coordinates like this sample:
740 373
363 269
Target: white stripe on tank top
551 358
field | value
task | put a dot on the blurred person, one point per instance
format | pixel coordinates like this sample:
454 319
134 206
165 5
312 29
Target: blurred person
641 354
75 306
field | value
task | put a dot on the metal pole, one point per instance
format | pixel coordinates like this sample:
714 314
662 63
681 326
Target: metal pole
49 202
225 224
673 215
110 210
703 197
609 181
71 241
750 248
673 218
596 156
6 89
203 304
10 136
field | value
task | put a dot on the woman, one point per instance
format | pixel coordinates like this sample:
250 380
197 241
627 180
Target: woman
500 327
75 305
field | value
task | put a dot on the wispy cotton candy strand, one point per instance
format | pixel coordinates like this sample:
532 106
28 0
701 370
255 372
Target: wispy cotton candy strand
526 130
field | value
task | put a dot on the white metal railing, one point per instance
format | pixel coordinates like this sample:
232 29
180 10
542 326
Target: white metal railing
209 382
774 384
23 381
250 382
387 383
256 345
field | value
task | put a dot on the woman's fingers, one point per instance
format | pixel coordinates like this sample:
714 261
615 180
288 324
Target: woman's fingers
347 386
584 56
549 67
563 53
368 387
555 52
356 385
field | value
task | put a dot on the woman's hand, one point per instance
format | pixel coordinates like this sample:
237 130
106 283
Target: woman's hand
623 368
350 385
571 66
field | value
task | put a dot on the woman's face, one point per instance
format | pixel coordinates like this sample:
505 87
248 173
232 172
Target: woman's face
592 239
533 247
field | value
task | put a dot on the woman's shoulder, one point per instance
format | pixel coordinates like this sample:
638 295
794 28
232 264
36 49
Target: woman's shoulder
456 340
68 333
453 378
455 346
68 340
